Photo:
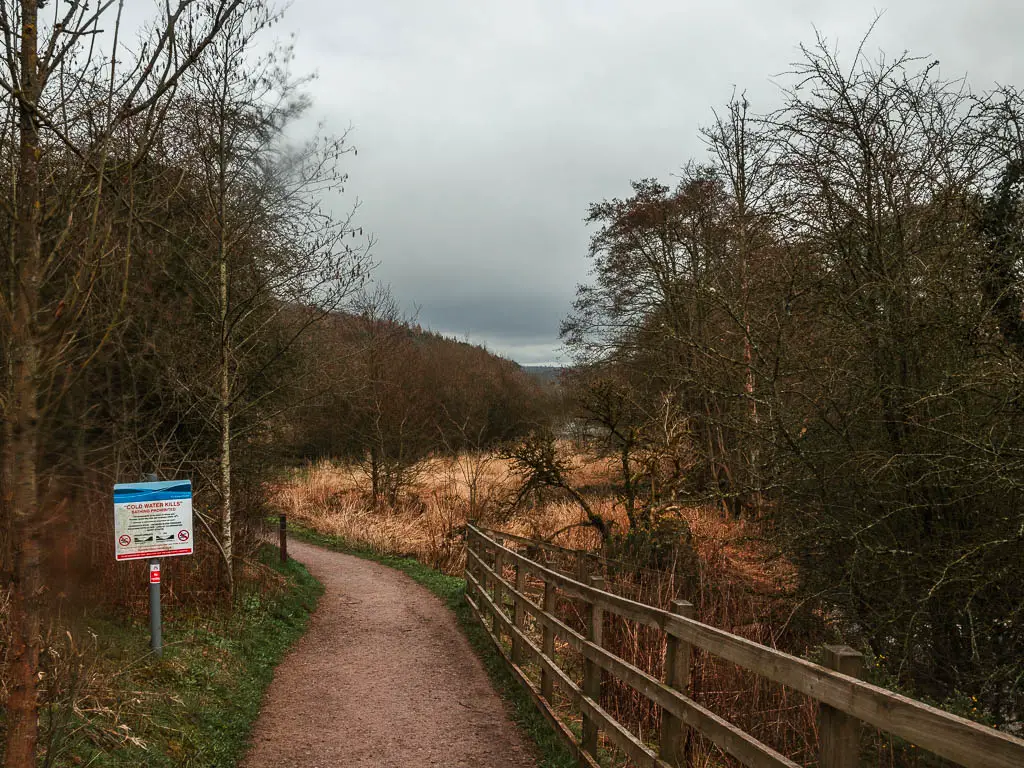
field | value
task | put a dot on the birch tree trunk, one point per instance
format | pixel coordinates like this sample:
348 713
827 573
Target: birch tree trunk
225 425
225 339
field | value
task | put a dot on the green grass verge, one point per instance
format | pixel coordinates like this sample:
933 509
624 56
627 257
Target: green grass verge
551 750
196 706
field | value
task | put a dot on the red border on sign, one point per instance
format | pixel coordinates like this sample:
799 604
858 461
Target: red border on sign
154 553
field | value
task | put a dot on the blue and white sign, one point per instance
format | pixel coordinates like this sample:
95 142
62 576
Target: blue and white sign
152 519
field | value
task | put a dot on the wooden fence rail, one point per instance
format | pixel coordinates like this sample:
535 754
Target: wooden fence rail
844 700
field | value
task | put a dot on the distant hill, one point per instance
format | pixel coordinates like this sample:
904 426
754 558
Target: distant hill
545 374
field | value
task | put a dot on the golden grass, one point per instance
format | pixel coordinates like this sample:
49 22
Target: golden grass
331 498
445 493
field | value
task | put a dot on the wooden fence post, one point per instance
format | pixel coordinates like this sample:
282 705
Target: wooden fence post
582 569
519 615
677 675
591 671
499 599
838 732
547 681
283 531
470 569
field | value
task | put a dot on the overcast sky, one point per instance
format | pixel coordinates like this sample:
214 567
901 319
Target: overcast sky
485 127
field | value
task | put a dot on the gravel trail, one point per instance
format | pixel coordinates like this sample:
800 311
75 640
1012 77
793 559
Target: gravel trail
383 677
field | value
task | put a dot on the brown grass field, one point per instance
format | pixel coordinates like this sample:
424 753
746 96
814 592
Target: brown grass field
447 492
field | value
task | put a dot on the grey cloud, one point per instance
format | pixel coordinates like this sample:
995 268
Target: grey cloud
511 316
485 127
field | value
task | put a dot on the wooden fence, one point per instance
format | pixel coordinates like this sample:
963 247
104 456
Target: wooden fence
844 701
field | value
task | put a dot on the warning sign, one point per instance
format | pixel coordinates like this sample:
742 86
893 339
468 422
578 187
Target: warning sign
154 573
152 520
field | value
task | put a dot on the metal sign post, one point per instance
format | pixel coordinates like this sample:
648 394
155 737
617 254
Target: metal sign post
153 520
155 638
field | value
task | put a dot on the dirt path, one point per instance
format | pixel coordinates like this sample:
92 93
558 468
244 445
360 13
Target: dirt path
382 678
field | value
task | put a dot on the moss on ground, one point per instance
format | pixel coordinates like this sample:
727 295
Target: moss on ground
196 706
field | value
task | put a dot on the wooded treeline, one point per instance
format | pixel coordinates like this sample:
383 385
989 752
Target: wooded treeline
180 296
390 394
819 327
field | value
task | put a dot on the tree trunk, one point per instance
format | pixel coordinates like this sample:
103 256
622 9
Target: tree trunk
26 598
375 479
226 541
22 451
226 532
627 485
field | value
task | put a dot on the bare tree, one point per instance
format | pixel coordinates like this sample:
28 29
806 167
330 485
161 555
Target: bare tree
274 259
831 308
540 465
65 106
743 155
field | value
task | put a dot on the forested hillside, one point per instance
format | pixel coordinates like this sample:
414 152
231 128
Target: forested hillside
385 395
